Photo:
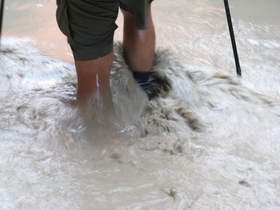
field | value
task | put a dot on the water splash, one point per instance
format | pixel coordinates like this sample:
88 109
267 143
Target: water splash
210 140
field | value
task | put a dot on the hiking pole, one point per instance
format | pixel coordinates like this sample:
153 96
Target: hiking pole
1 18
236 58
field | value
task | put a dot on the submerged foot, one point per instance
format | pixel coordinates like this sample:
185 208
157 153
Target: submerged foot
153 84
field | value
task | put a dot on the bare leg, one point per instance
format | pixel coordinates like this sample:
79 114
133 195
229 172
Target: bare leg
139 45
93 78
139 52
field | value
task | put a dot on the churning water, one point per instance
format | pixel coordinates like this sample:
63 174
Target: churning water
212 143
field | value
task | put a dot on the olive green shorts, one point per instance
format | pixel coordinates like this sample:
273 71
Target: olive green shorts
90 24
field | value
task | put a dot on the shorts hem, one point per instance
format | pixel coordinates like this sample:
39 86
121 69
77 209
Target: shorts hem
91 53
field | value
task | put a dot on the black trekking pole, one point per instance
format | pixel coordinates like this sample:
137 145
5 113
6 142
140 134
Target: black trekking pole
1 18
236 58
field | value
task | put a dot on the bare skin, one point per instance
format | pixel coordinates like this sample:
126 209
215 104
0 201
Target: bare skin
93 75
139 46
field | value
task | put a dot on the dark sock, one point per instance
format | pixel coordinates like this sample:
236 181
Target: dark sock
143 79
152 83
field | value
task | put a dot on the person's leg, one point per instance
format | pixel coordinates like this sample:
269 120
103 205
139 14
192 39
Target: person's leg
139 50
93 82
93 90
89 27
139 44
93 76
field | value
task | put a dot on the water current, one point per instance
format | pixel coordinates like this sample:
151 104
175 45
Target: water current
212 143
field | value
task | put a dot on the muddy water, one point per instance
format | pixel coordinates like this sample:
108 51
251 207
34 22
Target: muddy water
213 143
